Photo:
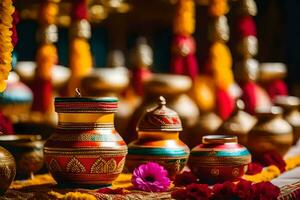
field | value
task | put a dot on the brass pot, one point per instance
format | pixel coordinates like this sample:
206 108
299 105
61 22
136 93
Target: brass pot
238 124
271 133
173 88
291 113
7 170
27 151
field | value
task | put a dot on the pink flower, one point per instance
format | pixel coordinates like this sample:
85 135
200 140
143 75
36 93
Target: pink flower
254 168
243 190
151 177
224 191
184 179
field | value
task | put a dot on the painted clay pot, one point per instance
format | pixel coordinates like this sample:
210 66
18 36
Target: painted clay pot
7 170
219 158
207 124
158 141
27 151
85 150
173 88
271 132
291 113
238 124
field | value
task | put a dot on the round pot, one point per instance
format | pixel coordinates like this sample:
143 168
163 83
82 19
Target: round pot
158 141
7 170
271 132
27 151
219 158
85 150
291 113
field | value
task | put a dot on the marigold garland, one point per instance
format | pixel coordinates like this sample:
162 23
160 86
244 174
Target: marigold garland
80 62
46 58
184 22
47 12
6 47
218 7
221 63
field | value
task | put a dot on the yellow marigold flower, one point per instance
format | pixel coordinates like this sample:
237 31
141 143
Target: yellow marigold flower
48 12
46 58
221 64
184 22
79 196
218 7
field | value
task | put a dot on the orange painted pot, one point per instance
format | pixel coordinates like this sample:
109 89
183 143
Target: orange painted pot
85 150
219 158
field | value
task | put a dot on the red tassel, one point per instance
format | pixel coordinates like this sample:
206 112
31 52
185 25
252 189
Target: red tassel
184 64
249 96
225 103
6 126
42 93
246 27
79 10
14 35
139 75
277 88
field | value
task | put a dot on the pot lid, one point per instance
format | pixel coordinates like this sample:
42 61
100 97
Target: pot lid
160 118
80 104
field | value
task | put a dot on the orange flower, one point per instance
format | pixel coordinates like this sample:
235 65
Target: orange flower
184 22
218 7
46 58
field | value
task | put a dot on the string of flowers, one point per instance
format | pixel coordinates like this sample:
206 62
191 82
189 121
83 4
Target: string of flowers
46 57
6 47
183 59
80 58
219 64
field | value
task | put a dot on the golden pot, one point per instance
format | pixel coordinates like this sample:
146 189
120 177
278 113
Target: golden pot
271 133
291 113
7 170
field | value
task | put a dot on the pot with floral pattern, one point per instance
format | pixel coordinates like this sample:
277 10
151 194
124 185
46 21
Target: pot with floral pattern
85 150
219 158
7 170
158 140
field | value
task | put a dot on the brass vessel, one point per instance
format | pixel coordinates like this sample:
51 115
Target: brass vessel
271 133
7 170
291 113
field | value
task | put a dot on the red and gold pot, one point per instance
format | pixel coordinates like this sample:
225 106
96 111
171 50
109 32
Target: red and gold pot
219 158
85 150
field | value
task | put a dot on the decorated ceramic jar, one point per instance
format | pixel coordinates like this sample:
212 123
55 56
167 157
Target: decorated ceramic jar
85 150
271 132
7 170
27 151
291 113
219 158
158 140
238 124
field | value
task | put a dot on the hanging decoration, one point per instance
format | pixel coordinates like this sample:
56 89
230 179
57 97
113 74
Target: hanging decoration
46 56
80 58
219 64
183 59
247 67
7 43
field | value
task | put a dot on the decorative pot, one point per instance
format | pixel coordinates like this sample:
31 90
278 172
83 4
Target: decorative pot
207 124
7 170
174 88
85 150
271 132
219 158
111 82
158 141
291 113
16 100
27 151
238 124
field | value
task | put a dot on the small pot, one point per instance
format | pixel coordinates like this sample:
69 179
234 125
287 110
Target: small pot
27 151
7 170
291 113
271 133
219 158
